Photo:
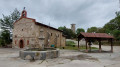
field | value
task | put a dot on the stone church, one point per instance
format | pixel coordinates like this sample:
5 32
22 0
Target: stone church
27 33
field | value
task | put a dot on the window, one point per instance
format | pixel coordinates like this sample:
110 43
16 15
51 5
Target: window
15 41
27 42
51 34
15 35
22 29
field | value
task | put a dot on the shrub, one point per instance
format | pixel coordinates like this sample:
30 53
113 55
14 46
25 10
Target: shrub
2 43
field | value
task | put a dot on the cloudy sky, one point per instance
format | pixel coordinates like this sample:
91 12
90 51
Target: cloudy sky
83 13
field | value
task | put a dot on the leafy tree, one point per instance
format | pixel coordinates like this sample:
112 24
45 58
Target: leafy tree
100 30
117 13
5 38
7 21
1 42
116 34
67 32
79 30
92 29
110 26
62 28
113 26
7 26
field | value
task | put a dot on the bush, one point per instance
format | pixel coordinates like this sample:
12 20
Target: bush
2 43
70 43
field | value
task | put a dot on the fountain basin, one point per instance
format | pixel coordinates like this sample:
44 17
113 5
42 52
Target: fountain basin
39 55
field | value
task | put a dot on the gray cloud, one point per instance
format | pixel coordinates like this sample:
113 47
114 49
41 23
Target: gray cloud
84 13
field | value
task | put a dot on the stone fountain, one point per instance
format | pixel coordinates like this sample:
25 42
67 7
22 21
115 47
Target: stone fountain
40 53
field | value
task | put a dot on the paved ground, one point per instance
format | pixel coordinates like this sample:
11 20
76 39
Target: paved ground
68 58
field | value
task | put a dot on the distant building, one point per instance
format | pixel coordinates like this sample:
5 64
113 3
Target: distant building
73 27
27 33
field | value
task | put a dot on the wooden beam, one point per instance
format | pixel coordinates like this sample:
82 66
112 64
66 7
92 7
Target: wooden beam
86 47
90 48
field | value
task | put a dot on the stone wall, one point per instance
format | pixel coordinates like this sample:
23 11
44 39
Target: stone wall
27 31
53 36
39 55
63 42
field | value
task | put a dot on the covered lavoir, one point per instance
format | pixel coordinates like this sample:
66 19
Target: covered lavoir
89 37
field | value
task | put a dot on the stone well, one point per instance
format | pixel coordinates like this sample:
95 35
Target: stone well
39 55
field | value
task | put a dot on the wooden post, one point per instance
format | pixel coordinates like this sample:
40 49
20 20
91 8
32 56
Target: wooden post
90 48
89 45
99 45
111 45
86 47
78 44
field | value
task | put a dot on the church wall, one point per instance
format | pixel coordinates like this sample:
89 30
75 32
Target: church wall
55 36
63 41
29 32
23 30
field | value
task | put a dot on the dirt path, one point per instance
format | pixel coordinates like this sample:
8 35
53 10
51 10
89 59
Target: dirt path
68 58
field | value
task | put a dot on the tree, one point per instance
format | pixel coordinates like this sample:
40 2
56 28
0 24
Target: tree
100 30
5 37
116 34
7 21
7 26
92 30
67 32
113 26
79 30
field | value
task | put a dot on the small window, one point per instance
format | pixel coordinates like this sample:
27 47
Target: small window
15 35
58 35
22 29
15 41
51 34
27 42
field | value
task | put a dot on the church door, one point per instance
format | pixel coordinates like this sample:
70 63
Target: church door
21 44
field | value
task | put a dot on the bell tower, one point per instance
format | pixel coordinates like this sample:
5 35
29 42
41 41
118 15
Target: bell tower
73 27
24 13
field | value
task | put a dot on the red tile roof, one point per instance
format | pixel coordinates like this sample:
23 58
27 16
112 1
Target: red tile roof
95 35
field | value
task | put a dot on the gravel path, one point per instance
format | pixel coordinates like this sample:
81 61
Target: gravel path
68 58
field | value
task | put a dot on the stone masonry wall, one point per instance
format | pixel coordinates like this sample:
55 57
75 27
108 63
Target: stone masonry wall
29 32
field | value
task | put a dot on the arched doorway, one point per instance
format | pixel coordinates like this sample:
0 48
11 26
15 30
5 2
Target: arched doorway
21 44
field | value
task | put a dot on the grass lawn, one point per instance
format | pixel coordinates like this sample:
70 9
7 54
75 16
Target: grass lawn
76 48
70 45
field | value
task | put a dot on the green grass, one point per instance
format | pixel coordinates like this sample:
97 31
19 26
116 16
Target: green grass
76 48
70 43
